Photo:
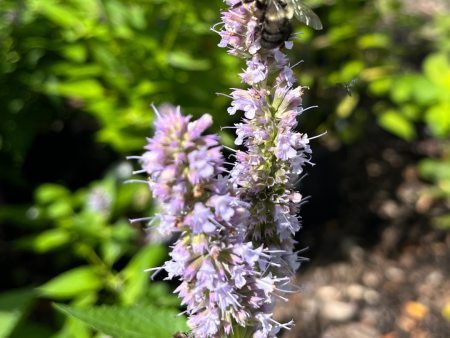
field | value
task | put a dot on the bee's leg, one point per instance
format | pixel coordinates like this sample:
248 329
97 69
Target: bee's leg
239 4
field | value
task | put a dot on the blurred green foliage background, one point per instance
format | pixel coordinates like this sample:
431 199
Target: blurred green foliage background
77 78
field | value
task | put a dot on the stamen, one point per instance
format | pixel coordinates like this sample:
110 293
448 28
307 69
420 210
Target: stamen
152 277
181 313
155 110
225 95
230 149
275 251
141 219
135 181
139 171
297 63
305 109
304 249
283 298
133 157
311 138
270 263
283 325
152 269
298 181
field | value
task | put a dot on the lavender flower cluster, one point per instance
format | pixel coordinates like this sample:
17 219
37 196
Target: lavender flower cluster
235 253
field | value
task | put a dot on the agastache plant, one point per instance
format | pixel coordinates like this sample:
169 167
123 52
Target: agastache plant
235 252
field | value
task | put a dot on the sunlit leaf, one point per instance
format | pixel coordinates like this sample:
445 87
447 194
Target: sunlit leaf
375 40
70 283
437 68
45 241
50 192
346 106
398 125
85 89
438 118
129 322
135 280
434 169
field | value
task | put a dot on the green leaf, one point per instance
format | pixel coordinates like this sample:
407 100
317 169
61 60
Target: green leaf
438 118
346 106
136 281
395 123
71 283
375 40
30 329
44 241
442 222
129 322
76 52
181 59
59 14
49 192
437 69
84 89
13 305
434 170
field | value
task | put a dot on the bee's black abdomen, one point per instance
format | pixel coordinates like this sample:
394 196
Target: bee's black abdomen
273 38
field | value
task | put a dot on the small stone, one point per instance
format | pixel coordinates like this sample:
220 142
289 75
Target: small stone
416 310
405 323
389 210
371 297
435 278
355 292
371 279
419 334
395 274
310 306
392 334
370 316
353 330
327 293
338 311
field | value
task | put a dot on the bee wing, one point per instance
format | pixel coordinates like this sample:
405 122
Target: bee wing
305 14
354 82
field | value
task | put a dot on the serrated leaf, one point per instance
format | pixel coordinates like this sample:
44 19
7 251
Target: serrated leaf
13 305
129 322
71 283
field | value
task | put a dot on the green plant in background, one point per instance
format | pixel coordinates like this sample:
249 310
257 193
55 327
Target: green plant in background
87 226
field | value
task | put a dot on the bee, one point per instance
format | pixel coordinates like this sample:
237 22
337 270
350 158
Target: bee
275 19
180 334
347 86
